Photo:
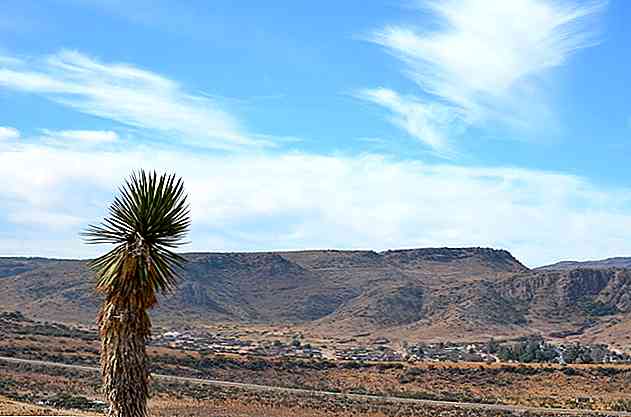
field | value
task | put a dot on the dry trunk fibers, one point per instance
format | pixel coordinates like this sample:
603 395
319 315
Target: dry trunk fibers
124 364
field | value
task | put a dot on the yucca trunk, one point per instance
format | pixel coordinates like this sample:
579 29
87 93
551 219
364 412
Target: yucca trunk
125 328
124 365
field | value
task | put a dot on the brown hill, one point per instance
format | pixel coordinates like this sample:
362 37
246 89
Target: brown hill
619 262
468 293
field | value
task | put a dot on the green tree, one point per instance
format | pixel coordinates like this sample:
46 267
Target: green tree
572 353
492 346
506 353
147 220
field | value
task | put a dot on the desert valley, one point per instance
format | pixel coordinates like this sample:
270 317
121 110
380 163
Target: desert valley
452 328
384 208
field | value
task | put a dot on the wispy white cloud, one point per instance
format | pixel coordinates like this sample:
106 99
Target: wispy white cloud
294 201
484 59
428 122
9 133
129 95
89 136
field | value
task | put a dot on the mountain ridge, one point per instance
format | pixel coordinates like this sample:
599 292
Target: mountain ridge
422 293
615 262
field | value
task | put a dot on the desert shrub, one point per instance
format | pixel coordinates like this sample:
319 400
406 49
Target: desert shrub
389 365
77 402
610 371
621 405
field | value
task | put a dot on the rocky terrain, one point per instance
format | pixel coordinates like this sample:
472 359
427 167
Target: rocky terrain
421 294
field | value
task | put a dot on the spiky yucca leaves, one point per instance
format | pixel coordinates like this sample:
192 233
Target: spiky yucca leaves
148 219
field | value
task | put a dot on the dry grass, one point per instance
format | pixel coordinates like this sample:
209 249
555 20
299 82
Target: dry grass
171 398
597 387
9 407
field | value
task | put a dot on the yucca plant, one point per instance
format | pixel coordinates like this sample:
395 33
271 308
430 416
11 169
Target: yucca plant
147 221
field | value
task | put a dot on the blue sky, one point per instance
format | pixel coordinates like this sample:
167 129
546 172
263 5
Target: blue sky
296 125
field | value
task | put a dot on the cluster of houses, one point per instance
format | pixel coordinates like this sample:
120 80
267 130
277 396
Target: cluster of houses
382 350
213 343
470 352
378 350
369 353
199 341
293 349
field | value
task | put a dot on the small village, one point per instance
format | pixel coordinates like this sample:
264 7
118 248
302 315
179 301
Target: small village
207 343
522 350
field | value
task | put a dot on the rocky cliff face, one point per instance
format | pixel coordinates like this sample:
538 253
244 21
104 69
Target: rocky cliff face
565 291
425 293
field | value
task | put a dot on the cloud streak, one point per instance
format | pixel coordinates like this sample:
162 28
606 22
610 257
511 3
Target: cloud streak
8 133
428 122
131 96
87 136
484 60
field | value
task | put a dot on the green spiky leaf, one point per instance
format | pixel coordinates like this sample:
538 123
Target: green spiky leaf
147 220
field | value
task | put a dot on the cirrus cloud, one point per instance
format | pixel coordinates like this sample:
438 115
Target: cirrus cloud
129 95
484 61
89 136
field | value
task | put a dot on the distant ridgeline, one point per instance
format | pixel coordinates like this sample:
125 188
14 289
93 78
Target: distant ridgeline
435 294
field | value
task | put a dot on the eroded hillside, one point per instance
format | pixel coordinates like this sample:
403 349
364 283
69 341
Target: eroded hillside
436 293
